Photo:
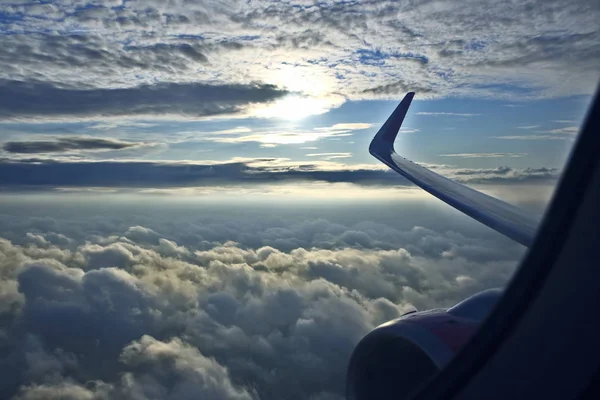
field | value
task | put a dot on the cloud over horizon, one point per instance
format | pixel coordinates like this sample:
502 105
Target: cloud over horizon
51 173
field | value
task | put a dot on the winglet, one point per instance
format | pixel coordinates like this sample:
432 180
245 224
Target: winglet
388 132
504 218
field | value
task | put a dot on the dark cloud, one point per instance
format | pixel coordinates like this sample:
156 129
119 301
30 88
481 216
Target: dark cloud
66 144
98 54
163 52
155 174
397 87
304 40
48 173
584 47
85 44
125 311
46 100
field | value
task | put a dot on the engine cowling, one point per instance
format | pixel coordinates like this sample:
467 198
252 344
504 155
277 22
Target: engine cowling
396 358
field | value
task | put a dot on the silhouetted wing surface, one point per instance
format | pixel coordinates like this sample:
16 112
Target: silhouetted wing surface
505 218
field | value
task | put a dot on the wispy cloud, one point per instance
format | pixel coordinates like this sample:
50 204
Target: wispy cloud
291 136
329 156
452 114
346 127
67 144
276 137
408 130
528 126
485 155
121 124
533 137
568 130
238 129
565 133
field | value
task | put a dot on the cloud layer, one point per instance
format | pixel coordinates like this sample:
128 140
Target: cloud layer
119 58
117 312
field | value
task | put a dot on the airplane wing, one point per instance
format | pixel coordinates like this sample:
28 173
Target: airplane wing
505 218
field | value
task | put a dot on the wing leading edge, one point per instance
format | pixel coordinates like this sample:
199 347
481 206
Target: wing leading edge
505 218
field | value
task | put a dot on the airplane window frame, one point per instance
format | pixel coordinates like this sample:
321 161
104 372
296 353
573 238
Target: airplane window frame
531 282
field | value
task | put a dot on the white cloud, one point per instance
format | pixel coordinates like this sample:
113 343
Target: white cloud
64 391
145 315
195 376
329 156
568 130
408 130
485 155
447 114
121 124
354 126
528 126
533 137
238 129
275 138
502 174
291 136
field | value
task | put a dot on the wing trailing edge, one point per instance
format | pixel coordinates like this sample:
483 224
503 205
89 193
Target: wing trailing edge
511 221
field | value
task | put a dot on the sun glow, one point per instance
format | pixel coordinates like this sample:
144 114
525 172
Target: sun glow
312 91
295 107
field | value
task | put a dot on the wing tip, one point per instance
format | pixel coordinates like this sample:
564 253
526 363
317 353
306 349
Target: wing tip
389 131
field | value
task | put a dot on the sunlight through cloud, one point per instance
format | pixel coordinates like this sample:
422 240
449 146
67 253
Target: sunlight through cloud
295 107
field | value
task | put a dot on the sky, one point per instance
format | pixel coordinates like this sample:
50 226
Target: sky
188 208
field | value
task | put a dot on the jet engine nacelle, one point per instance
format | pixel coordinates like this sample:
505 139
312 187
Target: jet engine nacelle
394 359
